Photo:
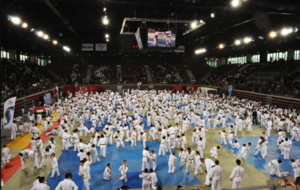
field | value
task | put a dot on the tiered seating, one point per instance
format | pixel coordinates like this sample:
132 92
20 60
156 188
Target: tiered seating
162 73
133 72
183 75
19 79
103 74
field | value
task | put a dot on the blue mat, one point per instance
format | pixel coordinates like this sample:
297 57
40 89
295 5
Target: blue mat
69 162
89 124
273 152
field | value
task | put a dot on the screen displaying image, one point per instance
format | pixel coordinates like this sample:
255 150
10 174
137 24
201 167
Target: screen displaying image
161 38
138 39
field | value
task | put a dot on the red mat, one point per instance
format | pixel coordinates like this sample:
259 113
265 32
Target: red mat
9 169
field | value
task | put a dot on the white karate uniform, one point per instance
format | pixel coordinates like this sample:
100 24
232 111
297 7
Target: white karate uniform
54 165
123 169
237 174
66 184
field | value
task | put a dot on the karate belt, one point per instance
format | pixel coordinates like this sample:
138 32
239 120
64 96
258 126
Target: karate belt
190 160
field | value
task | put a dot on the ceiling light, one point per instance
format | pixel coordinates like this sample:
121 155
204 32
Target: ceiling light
221 46
212 15
24 25
193 24
200 51
106 35
55 42
46 37
273 34
105 21
107 40
235 3
237 42
32 30
104 9
285 31
40 33
66 48
201 21
247 40
16 20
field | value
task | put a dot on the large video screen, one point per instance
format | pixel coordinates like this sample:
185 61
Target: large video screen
161 38
138 38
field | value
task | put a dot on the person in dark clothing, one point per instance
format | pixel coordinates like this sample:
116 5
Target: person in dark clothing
254 114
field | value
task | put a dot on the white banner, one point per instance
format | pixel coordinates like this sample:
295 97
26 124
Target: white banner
101 47
9 110
180 49
87 47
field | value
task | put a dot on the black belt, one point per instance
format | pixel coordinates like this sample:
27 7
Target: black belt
213 166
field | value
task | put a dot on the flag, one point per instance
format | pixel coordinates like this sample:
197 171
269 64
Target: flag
57 92
9 110
48 99
76 85
230 87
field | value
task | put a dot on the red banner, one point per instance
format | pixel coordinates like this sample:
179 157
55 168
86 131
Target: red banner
83 88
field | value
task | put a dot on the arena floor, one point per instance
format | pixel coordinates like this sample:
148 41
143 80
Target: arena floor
256 170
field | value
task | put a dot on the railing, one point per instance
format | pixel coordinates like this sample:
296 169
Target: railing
5 94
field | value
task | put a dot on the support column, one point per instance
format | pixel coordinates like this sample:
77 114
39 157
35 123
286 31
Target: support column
290 54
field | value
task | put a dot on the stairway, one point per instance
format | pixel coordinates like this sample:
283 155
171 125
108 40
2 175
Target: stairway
88 74
176 73
147 69
52 73
119 70
191 76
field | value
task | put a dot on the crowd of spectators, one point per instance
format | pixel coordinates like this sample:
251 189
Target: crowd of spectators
163 73
20 79
133 73
282 85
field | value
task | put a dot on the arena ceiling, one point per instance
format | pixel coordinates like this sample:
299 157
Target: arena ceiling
73 22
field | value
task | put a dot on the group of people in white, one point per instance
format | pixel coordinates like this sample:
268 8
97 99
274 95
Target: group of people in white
109 111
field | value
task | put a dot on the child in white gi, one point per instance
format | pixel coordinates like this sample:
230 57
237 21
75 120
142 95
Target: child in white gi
198 163
236 144
107 172
162 146
153 158
54 165
183 141
171 163
214 152
119 141
182 156
133 138
153 179
84 172
123 169
223 139
6 155
144 138
146 179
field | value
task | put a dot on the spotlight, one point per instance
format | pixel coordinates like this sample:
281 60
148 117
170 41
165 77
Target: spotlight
104 9
193 24
32 30
285 31
15 20
273 34
247 40
296 30
221 46
105 21
46 37
55 42
212 15
237 42
40 33
24 25
201 21
107 40
66 48
235 3
106 35
200 51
